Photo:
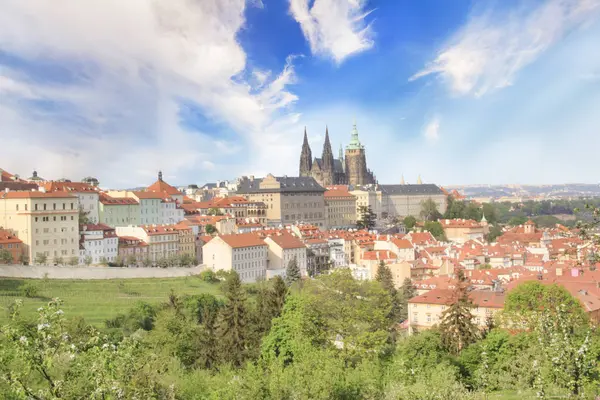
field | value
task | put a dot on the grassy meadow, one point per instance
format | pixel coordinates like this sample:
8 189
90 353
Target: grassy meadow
96 300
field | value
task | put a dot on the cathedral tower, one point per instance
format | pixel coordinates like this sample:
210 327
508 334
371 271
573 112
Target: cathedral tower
327 161
356 162
305 158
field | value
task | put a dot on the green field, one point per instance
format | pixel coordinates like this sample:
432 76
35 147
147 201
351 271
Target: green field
97 300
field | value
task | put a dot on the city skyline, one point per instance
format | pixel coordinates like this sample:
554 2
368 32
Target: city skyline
472 93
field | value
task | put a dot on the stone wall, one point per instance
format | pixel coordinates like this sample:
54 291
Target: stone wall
49 272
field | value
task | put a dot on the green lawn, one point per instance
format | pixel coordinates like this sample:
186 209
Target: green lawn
97 300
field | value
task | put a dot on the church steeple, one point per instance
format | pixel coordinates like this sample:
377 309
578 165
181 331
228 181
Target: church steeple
402 180
305 157
327 160
419 180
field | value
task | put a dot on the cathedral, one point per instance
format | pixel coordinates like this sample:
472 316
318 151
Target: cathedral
348 169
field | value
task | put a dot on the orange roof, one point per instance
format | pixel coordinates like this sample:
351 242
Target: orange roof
68 187
337 191
6 176
286 240
96 227
459 223
480 298
116 201
148 195
123 241
422 238
159 229
379 255
7 237
163 187
242 240
402 243
35 195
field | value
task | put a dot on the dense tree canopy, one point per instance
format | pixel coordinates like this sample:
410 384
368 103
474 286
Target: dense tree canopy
367 218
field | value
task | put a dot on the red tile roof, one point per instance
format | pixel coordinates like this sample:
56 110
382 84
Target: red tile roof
480 298
7 237
35 195
286 240
384 255
242 240
161 186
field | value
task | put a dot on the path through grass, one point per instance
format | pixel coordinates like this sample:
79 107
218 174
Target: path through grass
97 300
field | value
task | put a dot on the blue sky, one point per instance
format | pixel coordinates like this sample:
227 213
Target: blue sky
460 91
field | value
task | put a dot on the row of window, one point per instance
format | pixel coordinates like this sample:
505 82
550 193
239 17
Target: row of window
306 216
10 246
46 242
45 206
47 219
62 230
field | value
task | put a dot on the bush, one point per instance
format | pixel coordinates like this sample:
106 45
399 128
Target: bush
209 276
29 290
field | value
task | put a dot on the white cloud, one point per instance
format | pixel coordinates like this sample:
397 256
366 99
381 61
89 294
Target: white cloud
486 54
132 61
334 28
431 131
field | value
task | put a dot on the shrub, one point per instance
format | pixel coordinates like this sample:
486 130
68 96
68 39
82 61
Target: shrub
29 290
208 276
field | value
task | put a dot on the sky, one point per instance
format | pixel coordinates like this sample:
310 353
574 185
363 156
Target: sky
458 92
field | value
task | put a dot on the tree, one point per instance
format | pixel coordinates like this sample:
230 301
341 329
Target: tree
407 292
58 260
490 213
525 303
214 211
23 259
457 328
6 256
130 260
494 233
83 217
514 221
385 278
162 262
103 261
292 272
147 262
410 222
87 260
277 296
41 258
73 261
367 218
232 327
436 229
429 210
210 229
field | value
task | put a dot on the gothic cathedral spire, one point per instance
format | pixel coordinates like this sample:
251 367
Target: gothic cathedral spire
327 157
305 157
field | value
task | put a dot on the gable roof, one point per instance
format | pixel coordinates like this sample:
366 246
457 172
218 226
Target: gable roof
241 240
287 184
163 187
412 189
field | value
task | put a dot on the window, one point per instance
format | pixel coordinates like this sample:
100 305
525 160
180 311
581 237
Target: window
17 207
64 206
44 206
36 219
54 206
25 207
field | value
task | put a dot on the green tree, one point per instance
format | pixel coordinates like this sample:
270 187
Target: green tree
162 262
429 210
277 296
515 221
41 258
87 260
210 229
103 261
436 229
525 303
407 292
457 328
130 260
409 222
83 217
494 233
491 215
58 260
147 262
233 322
6 256
367 218
73 261
23 259
385 278
214 211
292 272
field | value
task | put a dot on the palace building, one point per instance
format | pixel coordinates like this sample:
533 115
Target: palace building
349 168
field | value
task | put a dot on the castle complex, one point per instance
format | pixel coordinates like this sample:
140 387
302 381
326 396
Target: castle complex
350 170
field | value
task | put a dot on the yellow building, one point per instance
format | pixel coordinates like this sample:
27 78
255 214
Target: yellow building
425 311
187 240
288 199
340 207
244 253
163 240
46 223
463 230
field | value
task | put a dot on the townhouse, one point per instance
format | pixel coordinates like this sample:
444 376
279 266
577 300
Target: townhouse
162 240
132 251
88 196
100 244
283 248
46 223
118 211
245 253
13 246
340 207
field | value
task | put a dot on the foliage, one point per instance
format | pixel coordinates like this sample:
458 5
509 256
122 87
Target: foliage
6 256
409 222
141 316
214 211
58 260
210 229
429 210
83 217
130 260
87 260
367 218
457 327
385 278
73 261
29 290
436 230
233 329
292 272
41 258
524 304
208 276
407 292
494 233
515 221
